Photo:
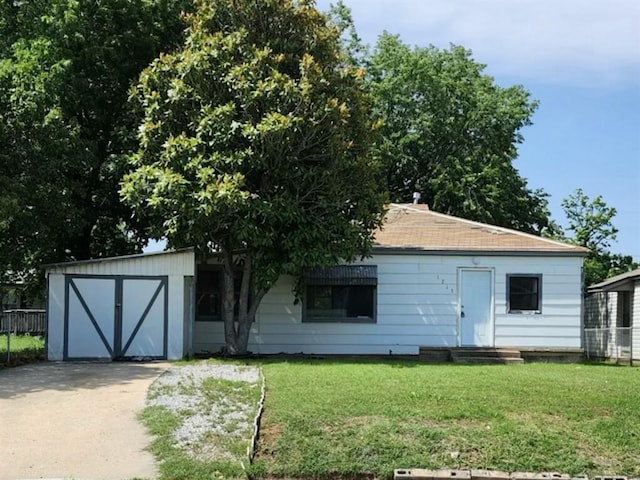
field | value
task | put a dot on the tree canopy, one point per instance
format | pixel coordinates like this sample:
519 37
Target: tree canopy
255 146
591 223
65 124
450 133
255 132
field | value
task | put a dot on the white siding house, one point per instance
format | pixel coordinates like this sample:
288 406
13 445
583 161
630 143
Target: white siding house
419 304
433 281
441 282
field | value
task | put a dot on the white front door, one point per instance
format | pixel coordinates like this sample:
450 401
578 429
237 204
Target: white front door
476 308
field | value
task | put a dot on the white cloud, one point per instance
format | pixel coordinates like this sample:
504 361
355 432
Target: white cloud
554 41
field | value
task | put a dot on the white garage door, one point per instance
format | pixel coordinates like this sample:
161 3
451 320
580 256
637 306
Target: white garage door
115 317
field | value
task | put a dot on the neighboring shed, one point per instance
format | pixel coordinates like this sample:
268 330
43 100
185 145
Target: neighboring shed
612 317
122 307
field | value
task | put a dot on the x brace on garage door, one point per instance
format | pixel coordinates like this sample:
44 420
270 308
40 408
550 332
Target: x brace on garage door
113 317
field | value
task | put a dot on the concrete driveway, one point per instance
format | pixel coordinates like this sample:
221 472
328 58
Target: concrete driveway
75 420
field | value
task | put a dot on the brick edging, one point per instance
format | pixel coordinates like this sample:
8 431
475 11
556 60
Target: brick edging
477 474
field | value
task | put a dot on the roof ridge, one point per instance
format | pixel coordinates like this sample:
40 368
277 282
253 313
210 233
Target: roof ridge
409 207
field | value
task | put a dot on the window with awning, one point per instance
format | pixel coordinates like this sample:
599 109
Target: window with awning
341 294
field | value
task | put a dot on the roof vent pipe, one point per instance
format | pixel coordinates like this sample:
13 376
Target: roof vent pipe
416 198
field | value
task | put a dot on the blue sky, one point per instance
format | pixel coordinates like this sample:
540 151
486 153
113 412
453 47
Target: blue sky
579 58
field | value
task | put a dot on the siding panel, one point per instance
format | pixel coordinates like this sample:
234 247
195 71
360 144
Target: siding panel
417 305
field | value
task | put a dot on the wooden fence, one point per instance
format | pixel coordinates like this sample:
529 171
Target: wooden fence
20 322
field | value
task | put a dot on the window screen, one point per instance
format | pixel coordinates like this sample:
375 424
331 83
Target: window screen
524 293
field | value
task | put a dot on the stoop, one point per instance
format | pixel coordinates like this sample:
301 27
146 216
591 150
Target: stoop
485 355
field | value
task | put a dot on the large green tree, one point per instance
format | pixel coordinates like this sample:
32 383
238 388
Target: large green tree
591 223
65 124
450 133
255 147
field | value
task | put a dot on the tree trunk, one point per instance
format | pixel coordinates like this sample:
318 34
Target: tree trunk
228 304
244 300
237 330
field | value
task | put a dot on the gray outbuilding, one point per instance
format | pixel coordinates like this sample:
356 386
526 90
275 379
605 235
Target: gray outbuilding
137 306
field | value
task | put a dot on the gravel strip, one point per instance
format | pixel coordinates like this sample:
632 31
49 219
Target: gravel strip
210 423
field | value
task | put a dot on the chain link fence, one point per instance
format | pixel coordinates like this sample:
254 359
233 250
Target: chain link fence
613 343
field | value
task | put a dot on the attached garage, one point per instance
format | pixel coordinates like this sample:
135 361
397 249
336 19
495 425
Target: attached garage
139 306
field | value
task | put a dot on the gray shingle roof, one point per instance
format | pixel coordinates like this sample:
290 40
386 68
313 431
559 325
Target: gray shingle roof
613 283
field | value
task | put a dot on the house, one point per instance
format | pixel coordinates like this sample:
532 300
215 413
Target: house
433 280
21 313
12 296
612 317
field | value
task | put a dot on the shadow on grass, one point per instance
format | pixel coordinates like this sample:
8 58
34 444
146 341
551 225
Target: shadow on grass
16 350
605 363
23 357
392 361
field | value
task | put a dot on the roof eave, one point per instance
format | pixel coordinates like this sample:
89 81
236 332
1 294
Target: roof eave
393 250
111 259
617 283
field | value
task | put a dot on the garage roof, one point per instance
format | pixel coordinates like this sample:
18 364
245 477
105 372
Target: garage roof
119 258
174 262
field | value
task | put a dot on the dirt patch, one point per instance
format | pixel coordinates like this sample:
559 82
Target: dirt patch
606 465
271 433
456 422
545 419
353 423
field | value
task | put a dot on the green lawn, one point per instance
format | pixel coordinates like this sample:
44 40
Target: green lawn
324 418
24 349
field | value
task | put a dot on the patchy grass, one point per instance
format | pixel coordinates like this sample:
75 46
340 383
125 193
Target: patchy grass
328 418
24 349
175 463
201 415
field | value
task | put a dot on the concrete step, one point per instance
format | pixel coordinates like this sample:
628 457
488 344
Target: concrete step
486 352
486 360
434 354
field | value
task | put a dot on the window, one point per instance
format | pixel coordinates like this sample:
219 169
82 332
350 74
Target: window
524 293
625 306
209 293
344 294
